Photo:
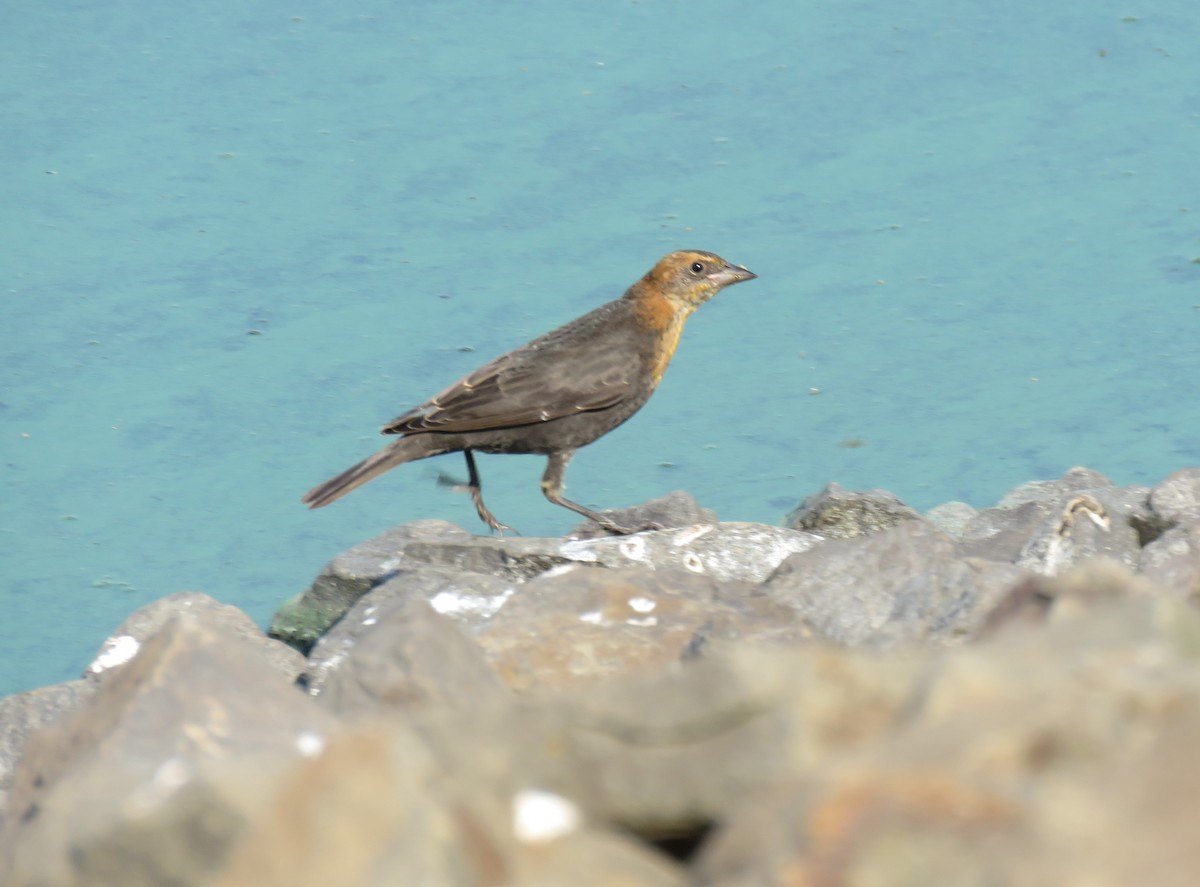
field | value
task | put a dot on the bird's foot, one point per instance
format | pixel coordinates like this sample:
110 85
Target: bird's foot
615 529
486 516
459 486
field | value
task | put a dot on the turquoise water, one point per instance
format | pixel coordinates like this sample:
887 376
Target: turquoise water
237 238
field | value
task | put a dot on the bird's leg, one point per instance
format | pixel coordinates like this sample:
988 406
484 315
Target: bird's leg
476 491
552 487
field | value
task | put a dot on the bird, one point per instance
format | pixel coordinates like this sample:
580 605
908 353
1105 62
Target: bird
558 392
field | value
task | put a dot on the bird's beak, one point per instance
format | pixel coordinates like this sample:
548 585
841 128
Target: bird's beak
732 274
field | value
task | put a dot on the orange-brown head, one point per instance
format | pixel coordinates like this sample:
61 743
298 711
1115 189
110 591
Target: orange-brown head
679 284
687 279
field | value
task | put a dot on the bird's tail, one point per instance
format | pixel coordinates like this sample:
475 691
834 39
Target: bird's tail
406 449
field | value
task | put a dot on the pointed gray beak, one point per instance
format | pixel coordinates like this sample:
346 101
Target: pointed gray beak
732 274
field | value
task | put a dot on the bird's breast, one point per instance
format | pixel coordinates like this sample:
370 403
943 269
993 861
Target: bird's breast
664 320
666 349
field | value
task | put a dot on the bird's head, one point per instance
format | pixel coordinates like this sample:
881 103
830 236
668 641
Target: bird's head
689 278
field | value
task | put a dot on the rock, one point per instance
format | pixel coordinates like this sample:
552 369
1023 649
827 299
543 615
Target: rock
469 578
882 826
1076 480
950 603
663 753
152 778
1043 757
999 534
123 644
349 576
1046 526
25 713
1177 499
1039 598
22 714
470 599
765 705
580 625
674 510
1083 526
376 808
1094 585
407 656
951 517
367 810
903 583
596 858
1173 561
840 514
730 551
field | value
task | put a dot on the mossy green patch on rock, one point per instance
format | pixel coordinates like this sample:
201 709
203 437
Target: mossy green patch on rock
301 621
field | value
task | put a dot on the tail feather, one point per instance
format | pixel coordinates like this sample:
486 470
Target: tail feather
406 449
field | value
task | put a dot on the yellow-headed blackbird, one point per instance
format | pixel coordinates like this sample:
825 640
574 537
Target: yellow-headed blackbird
559 392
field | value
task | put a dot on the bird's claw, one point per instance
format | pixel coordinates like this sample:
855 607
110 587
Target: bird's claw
616 529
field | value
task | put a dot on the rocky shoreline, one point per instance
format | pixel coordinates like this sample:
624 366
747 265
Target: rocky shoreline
868 695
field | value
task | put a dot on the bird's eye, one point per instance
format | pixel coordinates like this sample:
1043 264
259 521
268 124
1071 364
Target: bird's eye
697 267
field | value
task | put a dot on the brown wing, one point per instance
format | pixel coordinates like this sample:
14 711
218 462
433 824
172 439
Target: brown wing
589 364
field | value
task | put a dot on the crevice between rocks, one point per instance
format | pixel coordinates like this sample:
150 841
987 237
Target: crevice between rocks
681 845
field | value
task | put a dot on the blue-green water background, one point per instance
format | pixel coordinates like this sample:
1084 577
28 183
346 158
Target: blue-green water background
977 230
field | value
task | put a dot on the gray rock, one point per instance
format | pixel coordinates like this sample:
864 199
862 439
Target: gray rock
949 604
839 591
951 517
304 618
471 580
124 642
152 778
1043 754
672 680
674 510
1084 525
470 577
23 714
469 599
367 810
999 534
730 551
836 513
376 807
408 655
1075 480
594 857
902 584
1043 598
1173 561
580 625
664 751
1017 764
1035 524
1177 499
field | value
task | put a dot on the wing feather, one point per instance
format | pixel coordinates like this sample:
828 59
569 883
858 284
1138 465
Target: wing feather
590 364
